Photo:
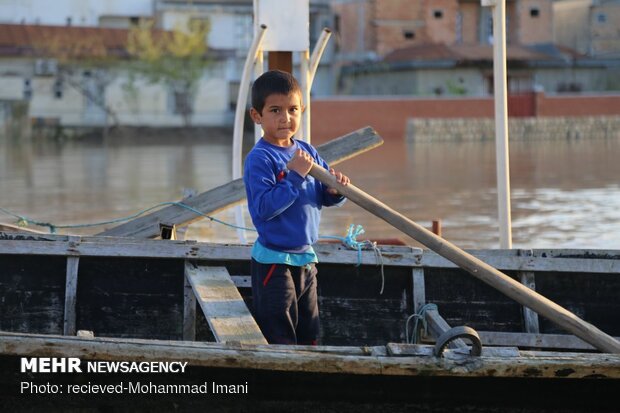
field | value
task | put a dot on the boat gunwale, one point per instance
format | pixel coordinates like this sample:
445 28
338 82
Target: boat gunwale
555 260
317 359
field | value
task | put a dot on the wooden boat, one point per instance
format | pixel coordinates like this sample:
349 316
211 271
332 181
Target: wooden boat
138 298
112 299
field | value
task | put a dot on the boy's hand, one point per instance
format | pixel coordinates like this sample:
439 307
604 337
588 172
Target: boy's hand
301 162
340 178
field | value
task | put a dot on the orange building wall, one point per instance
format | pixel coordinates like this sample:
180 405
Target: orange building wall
336 117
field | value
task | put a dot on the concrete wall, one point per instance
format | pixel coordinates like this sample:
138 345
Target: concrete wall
440 18
571 24
433 130
604 24
534 28
81 12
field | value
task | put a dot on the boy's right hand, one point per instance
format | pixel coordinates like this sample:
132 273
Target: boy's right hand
301 162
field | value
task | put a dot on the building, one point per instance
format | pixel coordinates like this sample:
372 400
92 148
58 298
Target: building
92 90
444 47
97 95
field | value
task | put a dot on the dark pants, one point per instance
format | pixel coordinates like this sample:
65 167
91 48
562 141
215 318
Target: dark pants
285 302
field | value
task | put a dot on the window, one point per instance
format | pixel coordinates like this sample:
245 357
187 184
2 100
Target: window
459 27
409 34
438 14
57 89
182 103
27 89
534 12
601 18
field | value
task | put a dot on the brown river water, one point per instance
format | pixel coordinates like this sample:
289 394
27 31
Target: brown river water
564 193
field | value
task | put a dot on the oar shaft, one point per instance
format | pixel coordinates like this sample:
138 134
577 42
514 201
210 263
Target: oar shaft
474 266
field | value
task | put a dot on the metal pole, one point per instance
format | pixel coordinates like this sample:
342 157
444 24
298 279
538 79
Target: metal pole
319 48
304 63
501 121
259 69
242 99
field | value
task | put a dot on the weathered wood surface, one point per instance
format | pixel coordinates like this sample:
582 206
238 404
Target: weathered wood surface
224 196
438 326
393 255
225 310
476 267
597 262
561 261
399 349
318 360
16 228
543 341
189 310
530 318
69 328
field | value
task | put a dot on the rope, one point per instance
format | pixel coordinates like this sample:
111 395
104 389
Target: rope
23 221
350 241
420 315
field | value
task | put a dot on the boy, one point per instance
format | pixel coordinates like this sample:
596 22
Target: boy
284 203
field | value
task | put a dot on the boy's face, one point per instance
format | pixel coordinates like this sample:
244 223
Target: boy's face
280 118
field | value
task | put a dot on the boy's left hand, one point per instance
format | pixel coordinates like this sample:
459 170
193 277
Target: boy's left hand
340 178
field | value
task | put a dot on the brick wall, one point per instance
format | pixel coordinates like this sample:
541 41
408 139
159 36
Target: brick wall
337 116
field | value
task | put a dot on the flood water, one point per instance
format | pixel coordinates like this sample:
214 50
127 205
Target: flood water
565 193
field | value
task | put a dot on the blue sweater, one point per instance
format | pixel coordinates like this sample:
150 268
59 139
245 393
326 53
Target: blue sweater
285 208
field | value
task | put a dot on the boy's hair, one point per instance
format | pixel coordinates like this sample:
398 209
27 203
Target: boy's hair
270 83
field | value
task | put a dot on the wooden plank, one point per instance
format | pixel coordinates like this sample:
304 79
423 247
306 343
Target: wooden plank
224 196
125 247
541 261
69 322
242 281
438 326
530 318
305 359
556 341
527 278
223 306
419 289
331 253
16 228
477 268
189 309
399 349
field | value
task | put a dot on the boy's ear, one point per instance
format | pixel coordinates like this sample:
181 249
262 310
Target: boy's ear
256 117
303 108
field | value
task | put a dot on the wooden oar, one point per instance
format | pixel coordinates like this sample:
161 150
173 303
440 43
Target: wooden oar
474 266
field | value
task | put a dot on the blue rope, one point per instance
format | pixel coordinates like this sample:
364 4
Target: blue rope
23 221
350 241
419 316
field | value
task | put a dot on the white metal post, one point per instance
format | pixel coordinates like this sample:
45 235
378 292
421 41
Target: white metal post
240 118
304 67
319 48
501 120
259 69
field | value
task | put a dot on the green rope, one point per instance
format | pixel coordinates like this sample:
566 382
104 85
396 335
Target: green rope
23 221
419 316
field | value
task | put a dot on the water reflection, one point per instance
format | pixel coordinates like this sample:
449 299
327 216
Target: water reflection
565 193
